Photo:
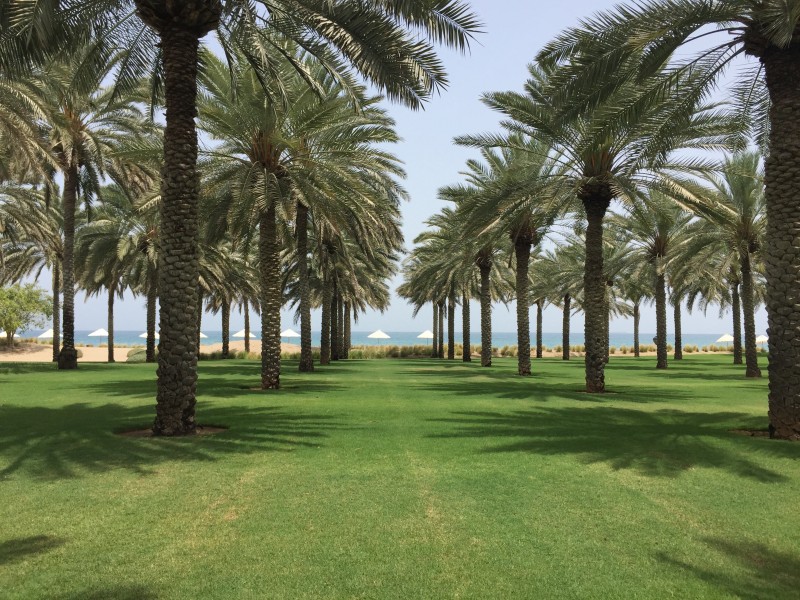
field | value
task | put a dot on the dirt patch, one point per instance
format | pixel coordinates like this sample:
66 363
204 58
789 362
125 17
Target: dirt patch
752 432
148 433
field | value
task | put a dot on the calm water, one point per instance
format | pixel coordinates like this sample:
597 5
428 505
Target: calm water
409 338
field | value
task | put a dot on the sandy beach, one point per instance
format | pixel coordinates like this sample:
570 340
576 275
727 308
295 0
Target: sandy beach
31 352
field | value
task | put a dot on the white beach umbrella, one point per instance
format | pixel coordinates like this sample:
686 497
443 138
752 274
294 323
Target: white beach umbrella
144 335
46 334
378 335
727 338
202 335
240 334
426 335
289 333
99 333
762 339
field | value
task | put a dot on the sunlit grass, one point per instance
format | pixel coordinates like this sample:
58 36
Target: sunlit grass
398 479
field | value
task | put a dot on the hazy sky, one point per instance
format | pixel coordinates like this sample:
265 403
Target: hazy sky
514 30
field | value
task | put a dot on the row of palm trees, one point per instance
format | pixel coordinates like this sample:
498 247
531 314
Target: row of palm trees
623 116
390 44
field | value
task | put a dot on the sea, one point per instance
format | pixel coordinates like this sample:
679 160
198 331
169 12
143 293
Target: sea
406 338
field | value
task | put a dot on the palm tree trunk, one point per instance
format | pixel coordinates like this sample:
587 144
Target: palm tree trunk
269 270
110 324
325 341
435 349
335 322
178 258
451 328
56 310
199 320
522 252
466 348
661 322
539 317
246 308
152 298
748 307
306 357
565 327
347 333
607 324
736 310
636 316
441 330
594 290
486 314
782 252
340 328
676 317
226 328
68 356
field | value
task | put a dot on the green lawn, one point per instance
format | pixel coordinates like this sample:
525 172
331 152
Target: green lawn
398 479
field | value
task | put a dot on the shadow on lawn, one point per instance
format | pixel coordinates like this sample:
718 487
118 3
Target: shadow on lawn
68 441
661 443
118 592
21 548
765 573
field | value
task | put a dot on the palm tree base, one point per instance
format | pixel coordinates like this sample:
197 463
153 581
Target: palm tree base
755 373
67 359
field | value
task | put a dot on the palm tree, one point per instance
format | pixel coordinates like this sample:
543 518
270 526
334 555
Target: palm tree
767 31
561 271
654 228
734 212
620 148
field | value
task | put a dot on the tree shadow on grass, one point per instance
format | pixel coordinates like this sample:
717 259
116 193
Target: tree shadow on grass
662 443
70 441
15 550
117 592
766 573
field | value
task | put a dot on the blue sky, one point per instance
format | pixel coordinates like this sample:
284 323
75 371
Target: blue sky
513 32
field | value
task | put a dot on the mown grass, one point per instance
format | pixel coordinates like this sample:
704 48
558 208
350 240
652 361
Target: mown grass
398 479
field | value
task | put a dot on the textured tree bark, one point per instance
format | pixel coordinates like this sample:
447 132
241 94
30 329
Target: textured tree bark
335 322
782 252
466 348
269 271
607 323
347 330
110 325
68 356
226 329
594 290
325 341
246 311
441 329
340 327
306 357
636 316
199 320
56 310
661 322
522 252
451 328
676 317
539 317
736 310
486 313
152 299
435 348
178 260
748 308
565 327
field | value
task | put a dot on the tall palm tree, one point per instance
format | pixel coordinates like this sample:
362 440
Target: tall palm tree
768 31
403 63
627 144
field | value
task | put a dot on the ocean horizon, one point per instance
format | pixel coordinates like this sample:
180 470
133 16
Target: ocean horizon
405 338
